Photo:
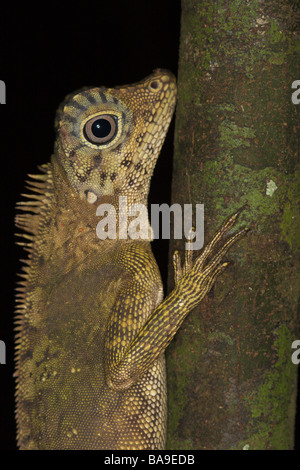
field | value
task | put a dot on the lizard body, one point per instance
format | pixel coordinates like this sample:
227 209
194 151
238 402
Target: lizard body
92 325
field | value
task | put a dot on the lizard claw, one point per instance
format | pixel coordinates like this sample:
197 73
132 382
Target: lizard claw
179 270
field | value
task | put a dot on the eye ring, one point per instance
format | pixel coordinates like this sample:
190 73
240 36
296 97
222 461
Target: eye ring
101 129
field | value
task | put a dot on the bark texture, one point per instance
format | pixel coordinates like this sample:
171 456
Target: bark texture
231 381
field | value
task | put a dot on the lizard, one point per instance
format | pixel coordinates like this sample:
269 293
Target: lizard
92 324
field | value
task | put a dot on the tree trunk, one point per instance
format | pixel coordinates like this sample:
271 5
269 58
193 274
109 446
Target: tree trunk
231 381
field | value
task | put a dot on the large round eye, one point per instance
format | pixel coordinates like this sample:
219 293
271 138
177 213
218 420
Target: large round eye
101 129
155 85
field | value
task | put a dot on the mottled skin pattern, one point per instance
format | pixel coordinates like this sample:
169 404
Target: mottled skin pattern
92 325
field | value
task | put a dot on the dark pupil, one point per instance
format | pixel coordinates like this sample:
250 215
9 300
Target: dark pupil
101 128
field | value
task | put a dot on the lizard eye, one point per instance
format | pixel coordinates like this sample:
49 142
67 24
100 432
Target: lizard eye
155 85
101 129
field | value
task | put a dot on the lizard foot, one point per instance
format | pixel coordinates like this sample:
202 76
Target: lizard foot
197 276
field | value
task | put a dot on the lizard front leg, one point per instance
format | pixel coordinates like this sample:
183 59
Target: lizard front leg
128 359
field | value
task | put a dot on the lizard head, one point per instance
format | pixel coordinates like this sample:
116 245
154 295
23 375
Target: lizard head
109 138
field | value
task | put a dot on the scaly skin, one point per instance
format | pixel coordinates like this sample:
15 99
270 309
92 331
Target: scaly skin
92 324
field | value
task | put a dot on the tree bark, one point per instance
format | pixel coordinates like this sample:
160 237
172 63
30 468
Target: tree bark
231 381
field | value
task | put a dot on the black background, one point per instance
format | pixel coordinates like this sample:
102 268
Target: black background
47 51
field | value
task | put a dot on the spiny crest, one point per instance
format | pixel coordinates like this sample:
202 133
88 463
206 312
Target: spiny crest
29 221
31 210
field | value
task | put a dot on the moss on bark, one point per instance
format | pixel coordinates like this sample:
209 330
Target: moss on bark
231 380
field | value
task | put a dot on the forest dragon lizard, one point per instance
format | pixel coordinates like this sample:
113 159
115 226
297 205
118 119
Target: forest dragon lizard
92 325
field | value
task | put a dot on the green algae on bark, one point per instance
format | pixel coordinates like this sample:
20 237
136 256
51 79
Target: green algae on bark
231 381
